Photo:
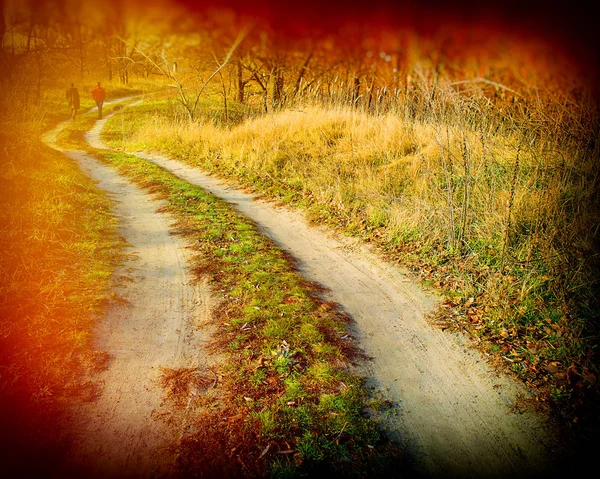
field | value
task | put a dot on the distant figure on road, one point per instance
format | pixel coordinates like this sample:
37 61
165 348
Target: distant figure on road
72 95
98 94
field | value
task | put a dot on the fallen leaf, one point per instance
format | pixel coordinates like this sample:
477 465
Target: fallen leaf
589 376
552 367
233 418
265 450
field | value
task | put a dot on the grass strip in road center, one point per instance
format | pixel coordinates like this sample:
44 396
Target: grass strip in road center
286 403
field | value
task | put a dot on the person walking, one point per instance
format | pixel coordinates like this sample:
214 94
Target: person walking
98 94
72 95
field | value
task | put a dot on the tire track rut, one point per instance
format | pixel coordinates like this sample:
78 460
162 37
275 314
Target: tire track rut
121 433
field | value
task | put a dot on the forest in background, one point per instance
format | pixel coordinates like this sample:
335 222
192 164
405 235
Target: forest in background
468 154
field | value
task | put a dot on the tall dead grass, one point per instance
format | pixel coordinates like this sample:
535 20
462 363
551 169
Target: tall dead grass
443 180
506 184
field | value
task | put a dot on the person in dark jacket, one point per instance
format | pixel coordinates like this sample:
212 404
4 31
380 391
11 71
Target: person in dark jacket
72 95
98 94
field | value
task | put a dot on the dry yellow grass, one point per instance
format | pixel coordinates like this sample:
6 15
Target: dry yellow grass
488 203
428 180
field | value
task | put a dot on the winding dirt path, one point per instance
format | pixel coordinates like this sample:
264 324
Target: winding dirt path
122 433
453 413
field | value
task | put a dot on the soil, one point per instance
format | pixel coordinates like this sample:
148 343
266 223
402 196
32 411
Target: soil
451 411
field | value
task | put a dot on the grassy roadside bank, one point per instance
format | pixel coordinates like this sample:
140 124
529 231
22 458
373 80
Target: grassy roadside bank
286 403
502 220
59 249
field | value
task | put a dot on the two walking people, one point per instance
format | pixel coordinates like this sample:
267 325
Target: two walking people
72 94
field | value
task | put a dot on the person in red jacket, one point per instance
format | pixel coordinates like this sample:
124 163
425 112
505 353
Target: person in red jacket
98 94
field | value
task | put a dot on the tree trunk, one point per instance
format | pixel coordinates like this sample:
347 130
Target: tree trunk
80 50
356 92
278 83
241 85
4 67
2 27
371 86
224 89
107 55
301 73
39 64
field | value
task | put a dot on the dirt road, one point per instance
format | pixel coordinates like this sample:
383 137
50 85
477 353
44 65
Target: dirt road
453 413
154 325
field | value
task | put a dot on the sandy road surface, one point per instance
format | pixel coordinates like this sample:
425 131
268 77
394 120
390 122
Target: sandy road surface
121 433
453 413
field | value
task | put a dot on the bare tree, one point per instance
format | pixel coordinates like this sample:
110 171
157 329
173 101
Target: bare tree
190 100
